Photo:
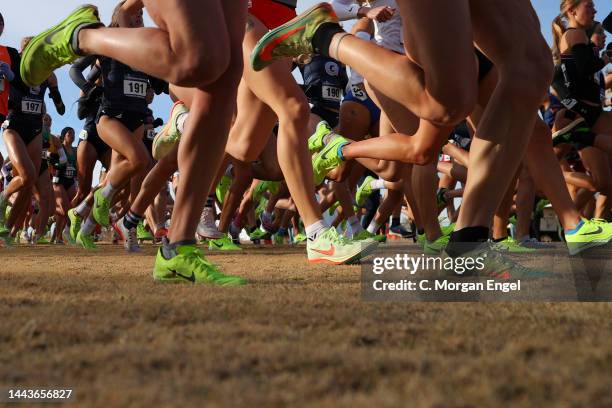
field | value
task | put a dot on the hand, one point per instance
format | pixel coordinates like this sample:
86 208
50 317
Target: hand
5 71
380 14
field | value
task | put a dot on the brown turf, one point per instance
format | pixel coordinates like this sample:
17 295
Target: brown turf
299 334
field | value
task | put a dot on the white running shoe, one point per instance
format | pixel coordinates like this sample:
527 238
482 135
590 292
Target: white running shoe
130 241
206 227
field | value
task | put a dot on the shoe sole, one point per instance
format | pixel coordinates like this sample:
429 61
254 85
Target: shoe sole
576 248
256 62
568 127
158 150
353 259
40 37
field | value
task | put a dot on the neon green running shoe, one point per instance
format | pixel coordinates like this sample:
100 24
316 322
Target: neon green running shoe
449 229
75 223
331 247
301 237
258 234
436 247
591 234
421 239
332 210
364 191
494 264
142 233
41 241
101 209
365 234
86 241
6 239
511 245
169 135
223 244
190 266
278 239
328 159
55 47
263 186
293 38
4 211
315 142
222 188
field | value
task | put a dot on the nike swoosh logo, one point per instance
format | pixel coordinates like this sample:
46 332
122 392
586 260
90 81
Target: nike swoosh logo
49 37
189 278
328 252
599 230
217 245
266 53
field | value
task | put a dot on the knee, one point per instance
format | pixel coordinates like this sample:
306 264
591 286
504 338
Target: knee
28 179
391 173
295 109
200 67
244 153
449 107
424 154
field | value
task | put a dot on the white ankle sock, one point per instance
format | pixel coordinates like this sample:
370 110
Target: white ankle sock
373 227
314 230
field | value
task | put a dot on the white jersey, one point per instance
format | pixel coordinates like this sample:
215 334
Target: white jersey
388 34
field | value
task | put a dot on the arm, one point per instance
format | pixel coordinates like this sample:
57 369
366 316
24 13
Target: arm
587 62
55 95
76 73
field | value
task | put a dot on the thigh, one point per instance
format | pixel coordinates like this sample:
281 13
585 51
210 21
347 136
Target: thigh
354 120
402 120
19 153
192 25
509 45
118 137
275 85
252 128
436 32
603 124
598 164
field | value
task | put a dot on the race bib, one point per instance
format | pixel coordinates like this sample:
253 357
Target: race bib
331 93
70 171
134 88
83 135
359 93
31 107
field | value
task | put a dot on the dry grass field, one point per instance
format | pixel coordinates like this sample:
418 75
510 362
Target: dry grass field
297 335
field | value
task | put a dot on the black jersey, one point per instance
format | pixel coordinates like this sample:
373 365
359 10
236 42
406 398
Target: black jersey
124 88
324 81
68 170
570 83
28 101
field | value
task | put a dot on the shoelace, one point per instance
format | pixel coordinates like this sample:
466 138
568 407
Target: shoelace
132 238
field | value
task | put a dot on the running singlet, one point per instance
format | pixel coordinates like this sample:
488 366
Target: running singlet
29 102
124 88
388 34
272 13
68 171
324 81
5 85
569 83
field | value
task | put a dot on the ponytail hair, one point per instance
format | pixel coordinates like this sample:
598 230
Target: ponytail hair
558 29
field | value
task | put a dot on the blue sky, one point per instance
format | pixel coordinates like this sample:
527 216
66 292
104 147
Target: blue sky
20 22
